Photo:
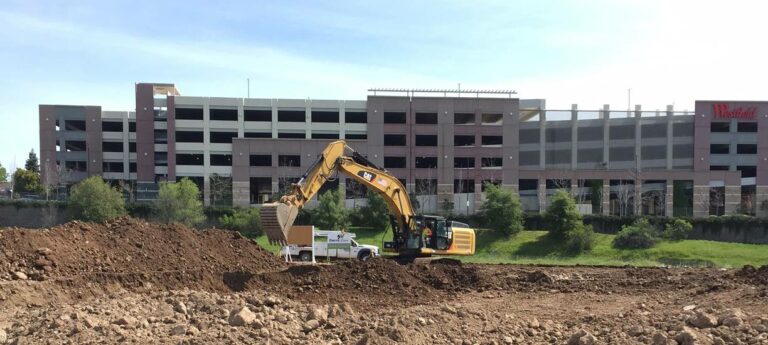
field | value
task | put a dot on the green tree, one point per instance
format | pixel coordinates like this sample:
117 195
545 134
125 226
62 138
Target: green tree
414 201
562 215
245 220
641 234
94 200
25 181
564 222
3 174
179 203
677 230
376 213
502 210
32 163
330 213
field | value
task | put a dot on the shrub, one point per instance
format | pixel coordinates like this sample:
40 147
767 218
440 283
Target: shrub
94 200
502 210
580 240
330 213
179 203
245 220
562 215
375 214
639 235
677 230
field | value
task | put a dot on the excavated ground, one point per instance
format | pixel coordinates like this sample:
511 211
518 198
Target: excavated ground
134 282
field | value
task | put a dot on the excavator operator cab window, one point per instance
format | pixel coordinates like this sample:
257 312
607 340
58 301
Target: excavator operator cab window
443 234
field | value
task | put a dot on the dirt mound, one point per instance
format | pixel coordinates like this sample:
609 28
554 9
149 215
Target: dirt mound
130 251
754 275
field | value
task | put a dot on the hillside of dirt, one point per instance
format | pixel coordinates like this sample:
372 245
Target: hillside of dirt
135 282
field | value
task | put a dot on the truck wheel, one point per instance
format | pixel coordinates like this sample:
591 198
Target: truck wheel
364 255
305 256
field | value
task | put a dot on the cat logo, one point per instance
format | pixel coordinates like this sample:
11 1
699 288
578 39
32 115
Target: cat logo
366 175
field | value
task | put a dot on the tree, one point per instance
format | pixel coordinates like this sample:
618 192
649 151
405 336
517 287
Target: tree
641 234
330 213
32 164
414 202
562 215
245 220
221 190
94 200
179 203
565 223
25 181
3 174
502 210
376 213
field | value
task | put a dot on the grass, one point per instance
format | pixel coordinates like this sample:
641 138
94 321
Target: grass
534 247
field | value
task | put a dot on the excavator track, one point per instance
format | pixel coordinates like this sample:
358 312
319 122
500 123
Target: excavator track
276 219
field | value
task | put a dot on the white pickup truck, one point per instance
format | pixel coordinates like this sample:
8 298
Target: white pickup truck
335 244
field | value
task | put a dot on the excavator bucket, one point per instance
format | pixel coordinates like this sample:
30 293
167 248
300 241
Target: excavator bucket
277 219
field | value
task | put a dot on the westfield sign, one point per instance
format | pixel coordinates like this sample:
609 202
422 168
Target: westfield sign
723 111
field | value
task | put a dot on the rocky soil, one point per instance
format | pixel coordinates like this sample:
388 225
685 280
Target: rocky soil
128 281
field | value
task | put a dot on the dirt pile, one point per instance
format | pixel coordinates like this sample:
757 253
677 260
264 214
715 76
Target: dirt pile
130 251
754 275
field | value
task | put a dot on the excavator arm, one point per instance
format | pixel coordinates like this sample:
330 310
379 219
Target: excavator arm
277 218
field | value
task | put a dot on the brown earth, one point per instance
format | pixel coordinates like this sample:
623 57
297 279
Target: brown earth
135 282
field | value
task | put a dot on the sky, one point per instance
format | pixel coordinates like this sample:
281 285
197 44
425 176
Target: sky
584 52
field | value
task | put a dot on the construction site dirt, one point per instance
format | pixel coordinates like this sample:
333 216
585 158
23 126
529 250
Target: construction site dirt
128 281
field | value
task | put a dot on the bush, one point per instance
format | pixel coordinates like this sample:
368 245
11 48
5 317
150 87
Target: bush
140 209
677 230
639 235
375 214
94 200
245 220
580 240
502 210
330 213
179 203
562 215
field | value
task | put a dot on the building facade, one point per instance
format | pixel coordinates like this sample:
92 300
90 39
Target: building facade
444 145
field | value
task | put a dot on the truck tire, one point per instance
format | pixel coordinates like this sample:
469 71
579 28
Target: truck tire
305 256
364 255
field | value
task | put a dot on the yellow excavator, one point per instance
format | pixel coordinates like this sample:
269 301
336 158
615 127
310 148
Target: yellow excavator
413 235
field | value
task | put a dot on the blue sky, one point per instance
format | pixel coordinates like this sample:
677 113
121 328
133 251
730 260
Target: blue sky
585 52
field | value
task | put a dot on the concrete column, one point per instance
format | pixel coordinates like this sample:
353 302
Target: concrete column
343 120
732 199
444 192
308 119
670 136
240 121
241 193
700 200
638 204
543 140
274 119
479 198
606 138
126 146
761 198
206 152
606 197
669 199
542 191
574 137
